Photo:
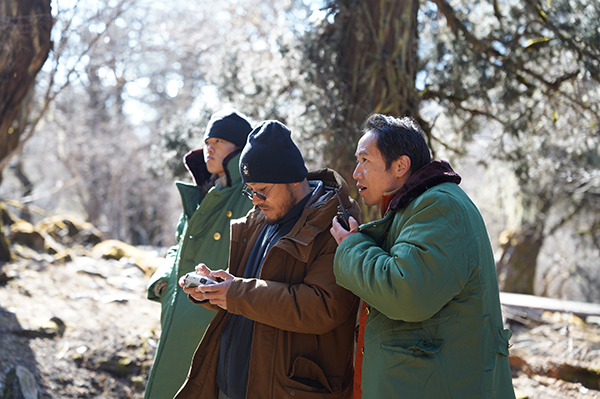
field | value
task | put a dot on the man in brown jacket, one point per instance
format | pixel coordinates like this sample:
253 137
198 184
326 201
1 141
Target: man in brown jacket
284 328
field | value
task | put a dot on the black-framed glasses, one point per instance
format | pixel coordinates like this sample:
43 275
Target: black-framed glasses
251 193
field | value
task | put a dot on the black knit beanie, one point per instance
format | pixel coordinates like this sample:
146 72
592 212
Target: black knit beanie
228 125
270 156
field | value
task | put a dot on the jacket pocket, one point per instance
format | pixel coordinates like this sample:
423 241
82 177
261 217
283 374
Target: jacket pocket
307 376
413 367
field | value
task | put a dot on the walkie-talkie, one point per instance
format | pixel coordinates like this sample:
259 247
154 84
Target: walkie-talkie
343 216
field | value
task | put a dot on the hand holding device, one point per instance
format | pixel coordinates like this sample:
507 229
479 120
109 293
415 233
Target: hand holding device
194 280
343 216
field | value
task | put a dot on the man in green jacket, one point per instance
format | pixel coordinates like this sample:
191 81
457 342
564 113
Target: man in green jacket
426 273
209 205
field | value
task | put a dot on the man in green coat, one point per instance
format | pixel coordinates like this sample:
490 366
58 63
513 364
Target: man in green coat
426 273
202 237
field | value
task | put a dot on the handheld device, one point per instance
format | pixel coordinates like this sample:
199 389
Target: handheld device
194 280
343 216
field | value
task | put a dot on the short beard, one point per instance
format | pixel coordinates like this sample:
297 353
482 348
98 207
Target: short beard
286 207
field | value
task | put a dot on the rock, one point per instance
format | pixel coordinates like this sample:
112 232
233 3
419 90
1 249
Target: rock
64 256
26 252
60 325
115 249
51 246
5 255
120 364
149 264
138 382
5 217
4 278
69 231
118 250
24 233
20 384
44 329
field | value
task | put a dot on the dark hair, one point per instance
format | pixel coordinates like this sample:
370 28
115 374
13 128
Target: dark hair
397 137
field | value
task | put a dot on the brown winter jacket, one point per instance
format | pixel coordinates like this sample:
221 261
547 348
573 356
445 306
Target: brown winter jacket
303 338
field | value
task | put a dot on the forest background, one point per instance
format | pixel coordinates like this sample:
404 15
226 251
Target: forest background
99 100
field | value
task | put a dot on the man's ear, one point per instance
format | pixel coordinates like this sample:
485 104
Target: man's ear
402 166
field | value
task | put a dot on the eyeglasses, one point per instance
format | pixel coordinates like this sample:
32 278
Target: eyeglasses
251 193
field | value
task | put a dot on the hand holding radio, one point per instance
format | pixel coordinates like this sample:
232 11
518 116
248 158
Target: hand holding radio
343 216
343 223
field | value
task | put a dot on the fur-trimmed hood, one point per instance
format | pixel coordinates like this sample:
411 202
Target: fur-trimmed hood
430 175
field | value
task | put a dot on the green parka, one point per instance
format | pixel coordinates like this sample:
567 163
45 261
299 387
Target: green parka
434 327
203 237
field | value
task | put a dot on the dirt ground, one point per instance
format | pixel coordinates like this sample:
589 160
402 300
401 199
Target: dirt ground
84 329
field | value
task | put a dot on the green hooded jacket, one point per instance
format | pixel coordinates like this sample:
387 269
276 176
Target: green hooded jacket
434 328
202 237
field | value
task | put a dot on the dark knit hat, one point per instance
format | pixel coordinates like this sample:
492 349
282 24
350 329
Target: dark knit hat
270 156
228 125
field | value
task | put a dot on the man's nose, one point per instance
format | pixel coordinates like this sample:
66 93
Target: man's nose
357 173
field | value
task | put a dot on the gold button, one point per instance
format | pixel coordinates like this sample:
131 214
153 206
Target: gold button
228 214
217 236
367 310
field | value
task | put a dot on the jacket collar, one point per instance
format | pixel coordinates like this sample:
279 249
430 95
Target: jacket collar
430 175
322 205
316 216
194 163
193 194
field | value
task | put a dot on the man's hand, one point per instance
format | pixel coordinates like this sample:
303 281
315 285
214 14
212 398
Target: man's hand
339 233
203 271
217 293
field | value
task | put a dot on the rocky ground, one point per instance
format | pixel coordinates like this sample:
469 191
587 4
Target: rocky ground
554 355
82 328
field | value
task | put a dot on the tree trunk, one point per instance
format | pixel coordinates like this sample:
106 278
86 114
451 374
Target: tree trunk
25 27
517 266
367 61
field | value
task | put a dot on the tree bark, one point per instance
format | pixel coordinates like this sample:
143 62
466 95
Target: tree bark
25 27
517 266
366 60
